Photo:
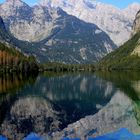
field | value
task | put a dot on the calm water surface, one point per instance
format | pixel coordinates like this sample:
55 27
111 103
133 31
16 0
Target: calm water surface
49 102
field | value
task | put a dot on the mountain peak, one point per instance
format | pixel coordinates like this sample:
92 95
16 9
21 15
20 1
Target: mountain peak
132 7
10 7
15 3
131 10
134 4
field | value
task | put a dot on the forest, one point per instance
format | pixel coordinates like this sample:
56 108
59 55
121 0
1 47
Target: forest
12 59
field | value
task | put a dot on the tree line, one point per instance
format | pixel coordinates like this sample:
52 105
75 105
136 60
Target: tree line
61 67
13 60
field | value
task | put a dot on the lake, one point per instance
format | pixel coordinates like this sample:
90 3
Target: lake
56 105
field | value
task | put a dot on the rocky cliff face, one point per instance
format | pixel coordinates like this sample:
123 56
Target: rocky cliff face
55 35
39 21
2 31
136 26
136 30
26 23
117 23
128 55
2 24
5 35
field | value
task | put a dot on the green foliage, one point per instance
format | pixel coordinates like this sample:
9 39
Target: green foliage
61 67
13 60
122 59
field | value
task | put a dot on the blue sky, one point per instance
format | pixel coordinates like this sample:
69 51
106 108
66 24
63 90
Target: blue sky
30 2
120 3
117 3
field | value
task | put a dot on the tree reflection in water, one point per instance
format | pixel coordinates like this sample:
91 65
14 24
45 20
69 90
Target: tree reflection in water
10 85
55 101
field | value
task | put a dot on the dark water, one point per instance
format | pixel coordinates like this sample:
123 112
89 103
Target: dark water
49 102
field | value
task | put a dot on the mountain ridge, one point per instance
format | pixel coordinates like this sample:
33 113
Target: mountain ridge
127 57
11 58
68 40
117 23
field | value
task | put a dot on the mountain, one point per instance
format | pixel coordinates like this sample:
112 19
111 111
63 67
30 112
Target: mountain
117 23
136 27
12 59
50 34
4 36
2 29
128 55
26 23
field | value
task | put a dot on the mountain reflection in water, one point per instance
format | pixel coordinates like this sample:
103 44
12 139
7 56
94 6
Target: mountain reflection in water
70 104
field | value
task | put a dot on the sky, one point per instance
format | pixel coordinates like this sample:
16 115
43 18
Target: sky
118 3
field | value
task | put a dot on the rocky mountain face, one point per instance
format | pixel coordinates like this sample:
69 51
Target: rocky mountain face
26 47
12 59
117 23
136 26
2 24
128 55
52 35
136 30
3 34
24 22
